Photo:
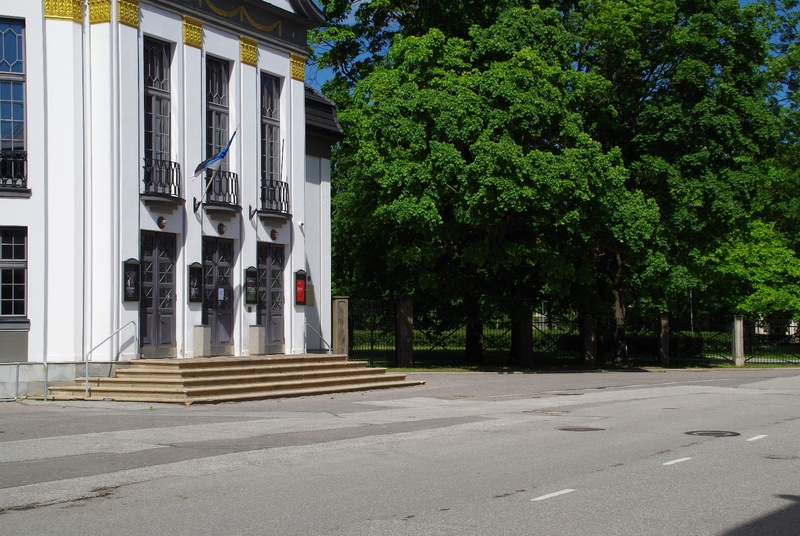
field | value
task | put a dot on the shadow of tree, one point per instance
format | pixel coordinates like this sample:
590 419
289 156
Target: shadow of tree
783 522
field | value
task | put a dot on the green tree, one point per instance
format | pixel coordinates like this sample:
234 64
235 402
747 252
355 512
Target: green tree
581 152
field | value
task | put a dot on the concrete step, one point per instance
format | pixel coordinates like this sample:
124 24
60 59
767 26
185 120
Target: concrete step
220 379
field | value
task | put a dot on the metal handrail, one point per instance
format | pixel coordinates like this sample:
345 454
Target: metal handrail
86 357
18 364
330 350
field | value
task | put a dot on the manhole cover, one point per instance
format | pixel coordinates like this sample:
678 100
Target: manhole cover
713 433
581 429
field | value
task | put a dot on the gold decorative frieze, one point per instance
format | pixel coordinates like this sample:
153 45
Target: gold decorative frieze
128 13
249 51
192 32
99 11
64 10
298 67
242 14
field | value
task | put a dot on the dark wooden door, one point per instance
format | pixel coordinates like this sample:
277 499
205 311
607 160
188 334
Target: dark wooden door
218 293
157 303
270 295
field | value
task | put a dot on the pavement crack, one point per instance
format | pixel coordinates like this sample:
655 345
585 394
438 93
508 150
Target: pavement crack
96 493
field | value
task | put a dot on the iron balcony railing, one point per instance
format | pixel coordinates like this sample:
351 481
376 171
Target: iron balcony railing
13 169
162 177
224 188
275 197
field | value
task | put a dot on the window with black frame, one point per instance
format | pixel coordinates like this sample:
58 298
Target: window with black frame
13 153
161 175
217 101
13 273
225 184
274 192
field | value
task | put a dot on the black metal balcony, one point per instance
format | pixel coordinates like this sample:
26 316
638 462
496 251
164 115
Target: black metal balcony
14 169
162 178
275 197
224 188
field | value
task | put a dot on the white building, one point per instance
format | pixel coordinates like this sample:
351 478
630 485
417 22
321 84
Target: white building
106 108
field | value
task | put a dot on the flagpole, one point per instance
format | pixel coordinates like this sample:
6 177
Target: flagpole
197 203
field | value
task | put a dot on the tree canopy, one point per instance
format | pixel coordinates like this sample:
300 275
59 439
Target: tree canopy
606 156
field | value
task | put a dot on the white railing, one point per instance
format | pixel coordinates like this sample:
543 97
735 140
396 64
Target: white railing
307 325
18 364
86 357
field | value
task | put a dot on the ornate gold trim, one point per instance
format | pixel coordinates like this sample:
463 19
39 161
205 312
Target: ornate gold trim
298 67
249 51
64 10
99 11
192 32
128 13
241 11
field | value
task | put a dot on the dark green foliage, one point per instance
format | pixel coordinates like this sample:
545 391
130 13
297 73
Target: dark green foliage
596 156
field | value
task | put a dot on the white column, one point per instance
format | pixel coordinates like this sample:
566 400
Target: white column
296 148
64 154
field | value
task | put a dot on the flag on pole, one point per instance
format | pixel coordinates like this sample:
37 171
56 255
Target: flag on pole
215 161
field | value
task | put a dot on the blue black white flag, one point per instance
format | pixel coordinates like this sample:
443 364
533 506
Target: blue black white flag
215 161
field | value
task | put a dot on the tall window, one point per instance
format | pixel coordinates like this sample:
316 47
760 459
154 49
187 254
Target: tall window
13 272
156 100
13 158
217 103
270 130
161 176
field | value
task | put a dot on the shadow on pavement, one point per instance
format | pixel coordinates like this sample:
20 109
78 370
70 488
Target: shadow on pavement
784 522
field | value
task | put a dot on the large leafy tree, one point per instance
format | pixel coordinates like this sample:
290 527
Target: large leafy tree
468 169
577 151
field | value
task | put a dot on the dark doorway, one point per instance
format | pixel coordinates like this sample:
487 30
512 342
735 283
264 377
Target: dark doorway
270 295
218 293
157 302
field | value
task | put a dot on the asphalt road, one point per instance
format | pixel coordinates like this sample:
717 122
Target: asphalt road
616 453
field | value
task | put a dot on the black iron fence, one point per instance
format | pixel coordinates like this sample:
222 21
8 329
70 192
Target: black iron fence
771 340
371 332
557 341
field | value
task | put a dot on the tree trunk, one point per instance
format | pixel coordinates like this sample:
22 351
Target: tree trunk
522 341
589 335
619 313
404 338
473 351
664 337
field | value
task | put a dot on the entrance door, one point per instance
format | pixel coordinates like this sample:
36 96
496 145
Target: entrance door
218 293
157 303
270 294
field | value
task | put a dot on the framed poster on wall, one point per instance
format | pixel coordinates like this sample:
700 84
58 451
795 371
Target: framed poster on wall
195 283
130 281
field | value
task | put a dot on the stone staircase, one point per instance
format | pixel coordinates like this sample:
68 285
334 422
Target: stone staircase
225 379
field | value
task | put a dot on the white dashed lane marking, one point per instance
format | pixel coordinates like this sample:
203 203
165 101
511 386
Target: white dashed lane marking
551 495
679 460
756 438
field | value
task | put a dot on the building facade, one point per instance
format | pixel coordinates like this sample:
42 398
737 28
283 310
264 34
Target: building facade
106 109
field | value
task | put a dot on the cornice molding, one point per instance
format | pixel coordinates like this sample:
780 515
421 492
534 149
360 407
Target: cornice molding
249 51
192 32
298 67
71 10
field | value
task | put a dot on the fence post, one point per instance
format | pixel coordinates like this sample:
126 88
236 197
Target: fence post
738 340
341 323
405 332
663 352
